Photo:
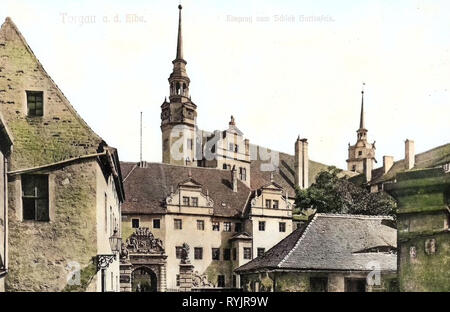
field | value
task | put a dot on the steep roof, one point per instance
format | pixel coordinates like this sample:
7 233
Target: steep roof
435 157
333 242
147 186
63 132
284 175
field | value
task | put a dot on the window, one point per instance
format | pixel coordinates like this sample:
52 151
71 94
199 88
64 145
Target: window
178 280
262 225
275 204
231 147
238 227
35 197
178 224
224 166
178 251
186 201
35 103
353 168
234 254
216 253
227 254
194 201
282 226
242 173
247 253
198 253
318 284
156 223
234 281
261 251
227 226
268 203
135 223
236 148
359 153
200 225
216 226
221 281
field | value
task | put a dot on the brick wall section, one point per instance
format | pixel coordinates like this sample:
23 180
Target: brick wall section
61 132
40 252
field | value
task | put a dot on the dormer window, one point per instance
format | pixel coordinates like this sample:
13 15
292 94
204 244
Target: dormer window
186 201
268 203
275 204
35 103
195 201
242 174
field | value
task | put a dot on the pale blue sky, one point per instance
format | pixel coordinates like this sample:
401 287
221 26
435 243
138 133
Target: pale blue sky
278 79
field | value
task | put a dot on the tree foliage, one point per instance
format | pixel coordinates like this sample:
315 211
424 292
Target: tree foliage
334 194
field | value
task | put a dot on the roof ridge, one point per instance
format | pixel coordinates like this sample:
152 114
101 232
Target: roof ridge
419 154
353 216
298 241
64 99
129 173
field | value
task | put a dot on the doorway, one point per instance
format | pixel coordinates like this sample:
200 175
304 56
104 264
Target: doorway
144 279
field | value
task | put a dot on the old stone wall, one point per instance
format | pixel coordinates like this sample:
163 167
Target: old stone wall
60 130
44 253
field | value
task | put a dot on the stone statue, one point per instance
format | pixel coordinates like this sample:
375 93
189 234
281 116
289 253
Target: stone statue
185 254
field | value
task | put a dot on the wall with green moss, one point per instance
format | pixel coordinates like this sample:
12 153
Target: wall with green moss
60 133
423 229
40 252
425 272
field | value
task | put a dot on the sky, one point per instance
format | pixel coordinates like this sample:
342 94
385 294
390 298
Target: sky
282 68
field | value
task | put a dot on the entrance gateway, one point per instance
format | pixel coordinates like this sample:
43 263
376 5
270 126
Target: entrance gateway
142 263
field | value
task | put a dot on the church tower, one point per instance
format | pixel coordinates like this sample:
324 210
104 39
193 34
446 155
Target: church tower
361 155
178 116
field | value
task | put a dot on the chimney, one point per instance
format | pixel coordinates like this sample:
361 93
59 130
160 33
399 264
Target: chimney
409 154
301 163
234 179
388 162
367 167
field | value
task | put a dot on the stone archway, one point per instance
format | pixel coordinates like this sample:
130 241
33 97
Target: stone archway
143 279
143 263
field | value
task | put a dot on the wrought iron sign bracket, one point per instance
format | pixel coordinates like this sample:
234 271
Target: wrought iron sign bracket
103 261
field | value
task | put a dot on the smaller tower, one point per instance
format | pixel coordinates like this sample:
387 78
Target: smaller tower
361 155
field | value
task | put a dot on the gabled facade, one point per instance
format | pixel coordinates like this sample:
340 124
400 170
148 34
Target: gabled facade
64 183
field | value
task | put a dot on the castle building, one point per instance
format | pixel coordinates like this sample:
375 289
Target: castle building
64 184
226 199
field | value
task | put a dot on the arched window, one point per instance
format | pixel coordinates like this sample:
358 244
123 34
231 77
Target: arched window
178 88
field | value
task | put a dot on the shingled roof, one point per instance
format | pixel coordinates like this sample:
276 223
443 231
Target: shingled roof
148 186
333 242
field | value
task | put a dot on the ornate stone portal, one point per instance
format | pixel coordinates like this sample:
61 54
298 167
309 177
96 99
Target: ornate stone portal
142 263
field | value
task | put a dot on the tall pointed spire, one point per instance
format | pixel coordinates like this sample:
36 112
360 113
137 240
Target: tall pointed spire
361 121
180 36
